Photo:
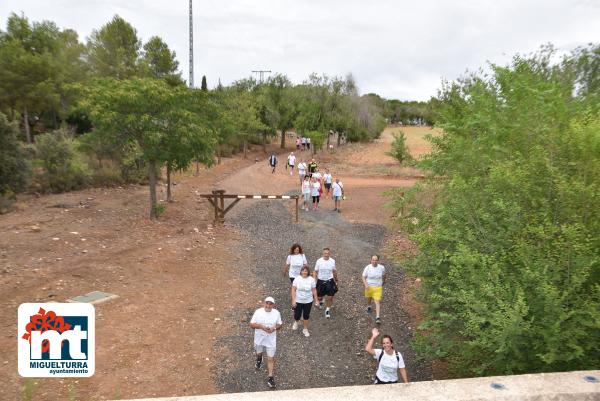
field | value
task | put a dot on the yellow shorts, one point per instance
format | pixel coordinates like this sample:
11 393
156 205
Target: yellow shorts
374 292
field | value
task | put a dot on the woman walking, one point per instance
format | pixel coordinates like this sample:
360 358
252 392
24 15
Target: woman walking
315 191
294 262
306 191
304 293
373 278
390 361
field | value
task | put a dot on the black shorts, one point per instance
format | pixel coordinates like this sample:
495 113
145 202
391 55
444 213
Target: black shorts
292 279
328 287
327 186
302 310
377 381
316 199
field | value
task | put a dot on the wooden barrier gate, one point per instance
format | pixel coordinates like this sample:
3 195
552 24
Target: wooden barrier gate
218 196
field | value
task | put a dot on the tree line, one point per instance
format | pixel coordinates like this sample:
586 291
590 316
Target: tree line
508 227
116 110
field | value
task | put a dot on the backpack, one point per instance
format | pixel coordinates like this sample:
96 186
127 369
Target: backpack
381 356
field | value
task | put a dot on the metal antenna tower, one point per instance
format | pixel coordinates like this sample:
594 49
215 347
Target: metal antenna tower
261 74
191 80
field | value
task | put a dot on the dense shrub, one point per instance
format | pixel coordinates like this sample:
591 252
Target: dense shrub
510 247
63 169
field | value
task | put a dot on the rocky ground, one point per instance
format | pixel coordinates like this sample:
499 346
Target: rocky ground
334 353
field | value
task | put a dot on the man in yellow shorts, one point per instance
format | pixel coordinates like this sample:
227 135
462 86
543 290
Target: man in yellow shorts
373 278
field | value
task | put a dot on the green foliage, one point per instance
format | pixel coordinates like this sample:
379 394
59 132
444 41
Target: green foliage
159 209
158 61
14 169
509 229
317 139
63 170
399 150
113 50
165 124
204 86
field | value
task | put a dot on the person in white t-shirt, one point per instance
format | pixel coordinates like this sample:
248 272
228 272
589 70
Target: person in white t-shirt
337 194
373 278
304 293
306 190
390 360
327 280
301 170
265 322
294 262
327 181
315 192
291 161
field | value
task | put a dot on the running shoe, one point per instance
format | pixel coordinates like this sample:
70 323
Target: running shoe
378 320
327 313
369 310
271 382
306 333
295 326
258 363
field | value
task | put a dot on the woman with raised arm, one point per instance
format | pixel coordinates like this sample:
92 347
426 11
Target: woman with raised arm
390 361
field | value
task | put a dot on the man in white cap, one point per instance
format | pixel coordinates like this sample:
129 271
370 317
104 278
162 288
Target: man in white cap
265 322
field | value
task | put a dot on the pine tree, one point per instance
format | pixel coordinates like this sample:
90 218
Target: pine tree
204 87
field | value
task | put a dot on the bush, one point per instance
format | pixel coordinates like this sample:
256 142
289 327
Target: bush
510 245
63 169
400 151
14 169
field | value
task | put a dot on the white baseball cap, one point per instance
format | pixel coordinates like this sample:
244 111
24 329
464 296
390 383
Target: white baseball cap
269 299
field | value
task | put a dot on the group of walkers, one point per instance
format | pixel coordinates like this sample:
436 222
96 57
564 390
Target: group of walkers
319 288
302 143
314 184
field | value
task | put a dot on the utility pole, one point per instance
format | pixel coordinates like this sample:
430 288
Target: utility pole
191 79
261 74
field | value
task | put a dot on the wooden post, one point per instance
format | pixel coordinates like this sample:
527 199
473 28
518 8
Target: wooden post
216 205
296 209
222 207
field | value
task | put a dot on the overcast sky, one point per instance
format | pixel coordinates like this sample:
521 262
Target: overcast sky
398 49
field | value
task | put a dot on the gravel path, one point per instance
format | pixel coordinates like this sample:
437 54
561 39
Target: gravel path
334 353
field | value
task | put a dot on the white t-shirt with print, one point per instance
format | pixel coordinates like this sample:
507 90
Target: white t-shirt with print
268 319
315 189
325 268
316 175
306 185
389 365
302 168
374 274
337 189
295 262
304 288
327 178
291 160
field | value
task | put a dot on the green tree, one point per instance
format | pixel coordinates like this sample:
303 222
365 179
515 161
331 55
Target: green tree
152 116
509 228
14 169
204 86
113 50
158 61
278 91
27 73
399 150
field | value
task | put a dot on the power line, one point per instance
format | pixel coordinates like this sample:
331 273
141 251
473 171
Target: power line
261 74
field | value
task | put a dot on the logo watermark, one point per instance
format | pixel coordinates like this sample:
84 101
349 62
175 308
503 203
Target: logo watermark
56 340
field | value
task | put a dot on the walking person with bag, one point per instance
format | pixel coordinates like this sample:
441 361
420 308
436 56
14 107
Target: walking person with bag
273 162
390 361
327 280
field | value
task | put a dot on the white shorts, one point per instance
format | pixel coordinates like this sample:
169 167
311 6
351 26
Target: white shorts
261 348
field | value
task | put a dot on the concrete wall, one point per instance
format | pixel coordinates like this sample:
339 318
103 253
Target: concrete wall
538 387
